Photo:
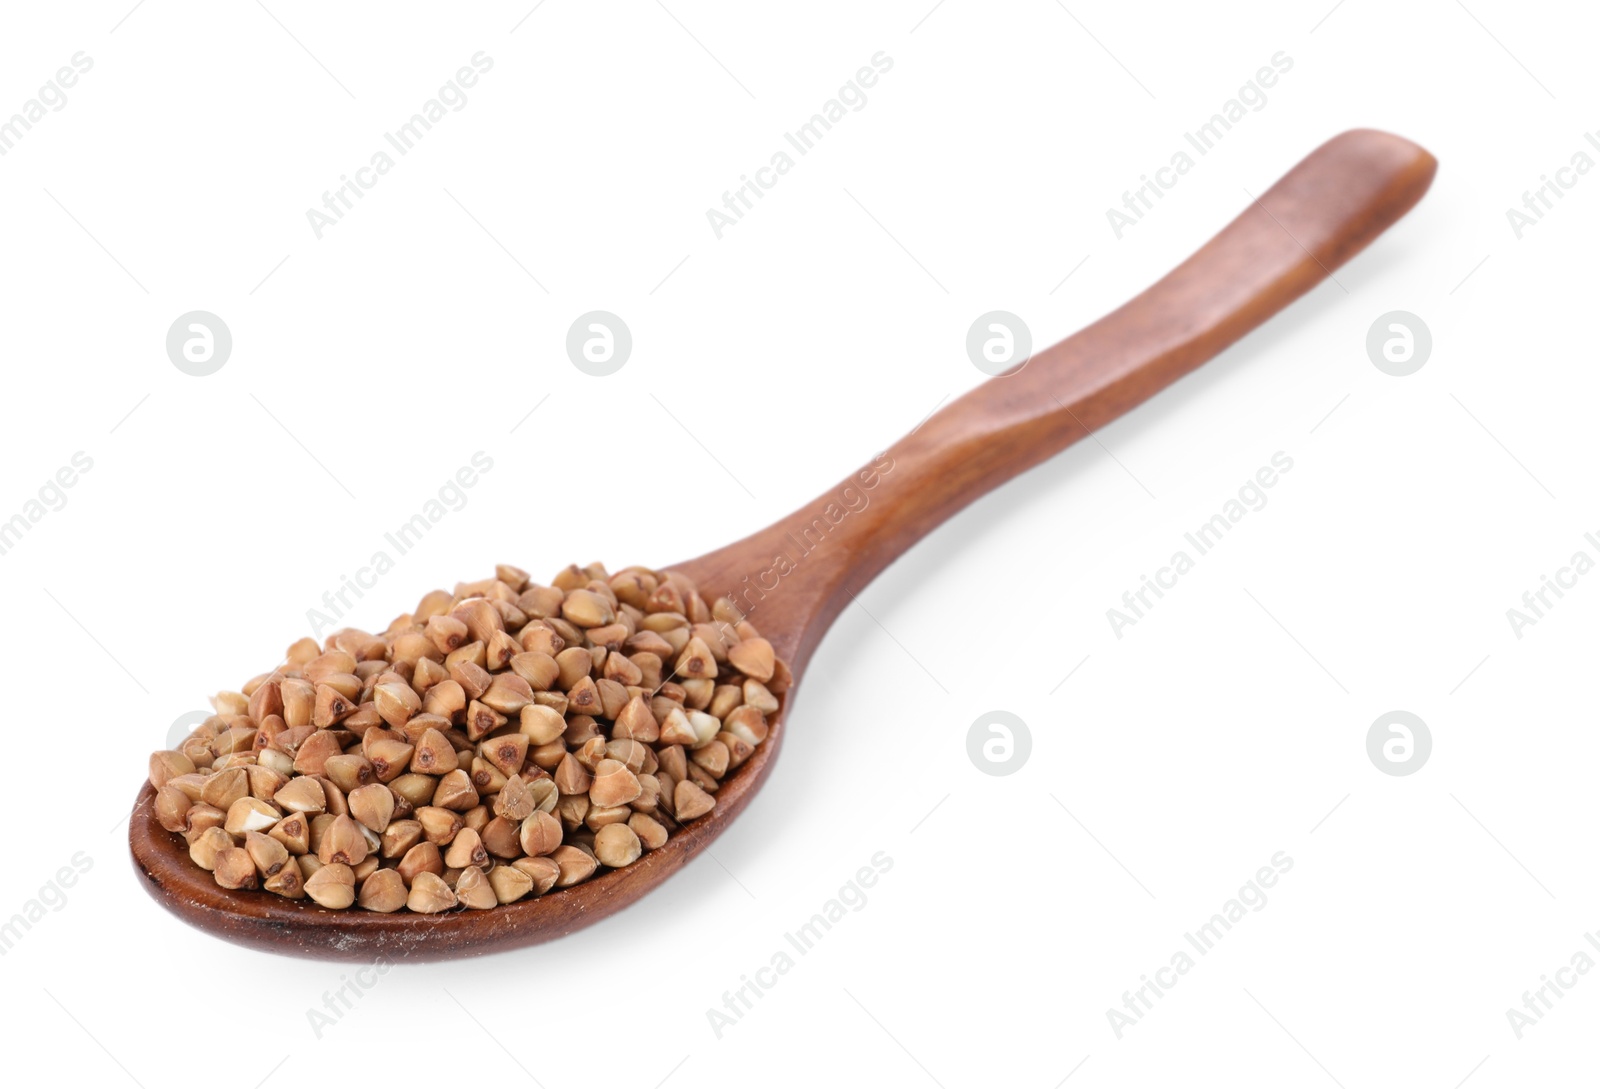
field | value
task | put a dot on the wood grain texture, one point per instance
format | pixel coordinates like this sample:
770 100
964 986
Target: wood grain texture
1324 211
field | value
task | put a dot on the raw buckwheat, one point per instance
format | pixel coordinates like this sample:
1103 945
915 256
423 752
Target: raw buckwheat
495 743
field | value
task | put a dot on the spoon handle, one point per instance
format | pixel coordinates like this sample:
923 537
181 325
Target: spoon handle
1324 211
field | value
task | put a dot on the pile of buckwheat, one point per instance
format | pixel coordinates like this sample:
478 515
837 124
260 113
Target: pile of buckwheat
495 743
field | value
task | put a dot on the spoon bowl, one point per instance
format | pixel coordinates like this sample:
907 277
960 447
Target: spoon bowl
793 578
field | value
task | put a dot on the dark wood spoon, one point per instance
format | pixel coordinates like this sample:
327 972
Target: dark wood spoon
795 576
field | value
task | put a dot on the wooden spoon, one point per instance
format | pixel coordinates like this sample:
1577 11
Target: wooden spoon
1325 210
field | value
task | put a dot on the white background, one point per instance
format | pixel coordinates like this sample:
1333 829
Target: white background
1228 725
